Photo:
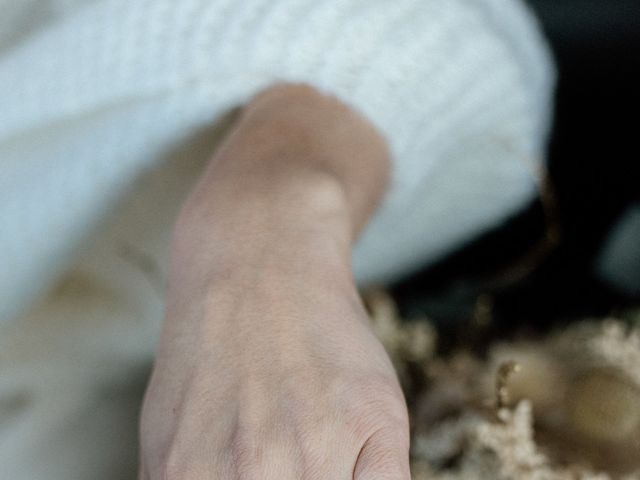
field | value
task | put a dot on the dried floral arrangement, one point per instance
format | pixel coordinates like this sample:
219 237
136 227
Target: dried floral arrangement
563 407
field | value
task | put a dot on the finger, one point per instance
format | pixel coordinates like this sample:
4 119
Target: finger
384 456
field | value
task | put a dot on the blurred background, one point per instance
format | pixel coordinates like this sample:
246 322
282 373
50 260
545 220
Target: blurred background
576 251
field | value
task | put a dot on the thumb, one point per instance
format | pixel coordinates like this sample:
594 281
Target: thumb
384 456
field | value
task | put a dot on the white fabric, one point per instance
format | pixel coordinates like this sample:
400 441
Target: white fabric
107 109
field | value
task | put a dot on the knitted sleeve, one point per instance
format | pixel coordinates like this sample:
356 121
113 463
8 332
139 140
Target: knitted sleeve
89 102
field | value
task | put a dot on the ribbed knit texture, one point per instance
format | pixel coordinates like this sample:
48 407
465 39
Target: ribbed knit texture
106 116
95 93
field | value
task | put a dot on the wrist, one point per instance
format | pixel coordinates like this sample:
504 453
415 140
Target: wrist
296 223
290 188
295 130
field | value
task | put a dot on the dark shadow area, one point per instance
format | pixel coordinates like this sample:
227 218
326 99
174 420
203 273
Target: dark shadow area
592 169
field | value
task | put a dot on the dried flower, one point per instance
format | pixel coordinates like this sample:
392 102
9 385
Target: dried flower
565 407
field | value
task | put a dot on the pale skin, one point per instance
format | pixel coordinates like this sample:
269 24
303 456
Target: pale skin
267 368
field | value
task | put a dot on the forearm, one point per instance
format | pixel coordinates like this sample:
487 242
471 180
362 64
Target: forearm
290 188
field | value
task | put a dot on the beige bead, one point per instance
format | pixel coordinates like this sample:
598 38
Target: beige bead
605 406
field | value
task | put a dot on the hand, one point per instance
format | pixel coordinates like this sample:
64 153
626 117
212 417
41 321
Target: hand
267 367
278 378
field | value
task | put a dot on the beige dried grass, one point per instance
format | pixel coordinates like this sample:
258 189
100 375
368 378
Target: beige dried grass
570 410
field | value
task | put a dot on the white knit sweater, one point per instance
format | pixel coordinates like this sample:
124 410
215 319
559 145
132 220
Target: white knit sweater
105 106
109 109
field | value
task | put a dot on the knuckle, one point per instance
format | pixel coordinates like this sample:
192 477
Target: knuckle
389 421
383 400
383 458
